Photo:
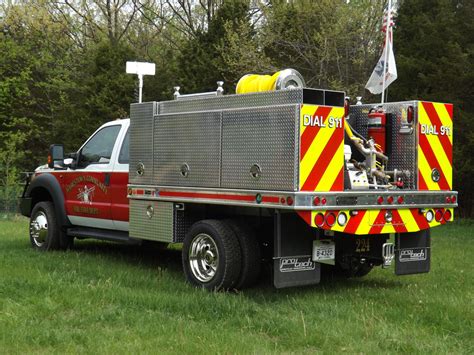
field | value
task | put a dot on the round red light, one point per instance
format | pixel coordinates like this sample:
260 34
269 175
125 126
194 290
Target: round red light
282 200
316 201
447 215
380 200
331 219
448 199
390 199
323 200
453 199
400 199
289 200
319 220
439 215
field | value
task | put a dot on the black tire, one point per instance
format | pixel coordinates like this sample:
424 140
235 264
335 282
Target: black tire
250 250
45 231
206 239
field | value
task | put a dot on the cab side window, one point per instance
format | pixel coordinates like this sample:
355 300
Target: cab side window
98 149
124 151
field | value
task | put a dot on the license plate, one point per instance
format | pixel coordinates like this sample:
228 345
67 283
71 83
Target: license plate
324 251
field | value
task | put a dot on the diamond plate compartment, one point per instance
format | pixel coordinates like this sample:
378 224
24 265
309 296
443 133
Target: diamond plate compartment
260 139
141 142
187 149
152 220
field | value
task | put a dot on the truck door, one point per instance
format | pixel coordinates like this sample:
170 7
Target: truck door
118 184
87 190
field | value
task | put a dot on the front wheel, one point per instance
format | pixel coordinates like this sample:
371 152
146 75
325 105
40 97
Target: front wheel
45 232
211 255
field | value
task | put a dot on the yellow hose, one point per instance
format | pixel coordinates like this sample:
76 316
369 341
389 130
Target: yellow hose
348 130
284 79
256 83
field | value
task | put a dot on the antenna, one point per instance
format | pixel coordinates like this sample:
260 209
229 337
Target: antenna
140 69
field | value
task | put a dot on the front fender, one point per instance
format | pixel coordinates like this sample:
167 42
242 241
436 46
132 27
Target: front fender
35 193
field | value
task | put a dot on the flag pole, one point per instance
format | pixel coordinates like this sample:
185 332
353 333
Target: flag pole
387 28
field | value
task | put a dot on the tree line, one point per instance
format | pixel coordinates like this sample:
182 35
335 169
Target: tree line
62 62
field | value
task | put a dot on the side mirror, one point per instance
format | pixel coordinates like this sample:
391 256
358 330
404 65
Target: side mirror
56 152
73 157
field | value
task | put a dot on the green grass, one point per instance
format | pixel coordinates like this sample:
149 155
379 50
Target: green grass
103 297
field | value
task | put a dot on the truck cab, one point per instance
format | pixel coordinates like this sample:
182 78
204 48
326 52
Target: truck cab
88 191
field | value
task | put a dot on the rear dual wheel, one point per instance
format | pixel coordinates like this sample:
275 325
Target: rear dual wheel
220 255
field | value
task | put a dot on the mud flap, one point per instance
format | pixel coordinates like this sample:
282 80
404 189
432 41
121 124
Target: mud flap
412 253
293 248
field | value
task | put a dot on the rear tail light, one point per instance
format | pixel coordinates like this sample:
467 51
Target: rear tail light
289 201
439 215
319 220
380 200
330 219
400 199
447 215
448 199
390 199
453 199
323 201
316 201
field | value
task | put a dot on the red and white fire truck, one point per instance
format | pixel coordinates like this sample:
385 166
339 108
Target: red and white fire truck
276 174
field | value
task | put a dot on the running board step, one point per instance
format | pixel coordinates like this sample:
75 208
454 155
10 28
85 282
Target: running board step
102 234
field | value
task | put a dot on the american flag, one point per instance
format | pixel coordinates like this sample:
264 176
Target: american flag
385 71
385 22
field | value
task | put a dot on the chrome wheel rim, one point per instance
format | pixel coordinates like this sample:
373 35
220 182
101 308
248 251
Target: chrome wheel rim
203 257
39 229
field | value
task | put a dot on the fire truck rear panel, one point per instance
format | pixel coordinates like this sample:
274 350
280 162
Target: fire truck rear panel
423 146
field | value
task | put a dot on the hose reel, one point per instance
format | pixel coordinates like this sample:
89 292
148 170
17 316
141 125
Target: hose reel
284 79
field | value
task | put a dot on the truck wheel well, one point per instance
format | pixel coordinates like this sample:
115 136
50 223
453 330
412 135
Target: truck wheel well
40 194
